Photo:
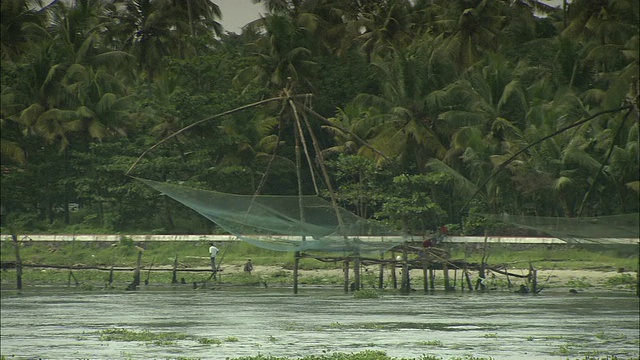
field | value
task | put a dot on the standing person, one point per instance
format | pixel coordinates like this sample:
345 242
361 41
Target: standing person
213 251
248 267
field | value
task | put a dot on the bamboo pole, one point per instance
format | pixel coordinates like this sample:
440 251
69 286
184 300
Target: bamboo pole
16 245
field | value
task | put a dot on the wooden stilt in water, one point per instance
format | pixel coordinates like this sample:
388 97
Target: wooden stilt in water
113 261
455 279
468 278
445 274
136 273
146 281
406 285
174 278
381 274
432 280
533 278
425 272
16 245
296 264
356 273
345 270
481 280
394 277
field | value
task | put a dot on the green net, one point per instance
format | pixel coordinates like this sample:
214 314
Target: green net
596 230
285 223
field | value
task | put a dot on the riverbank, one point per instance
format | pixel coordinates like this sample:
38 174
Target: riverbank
559 267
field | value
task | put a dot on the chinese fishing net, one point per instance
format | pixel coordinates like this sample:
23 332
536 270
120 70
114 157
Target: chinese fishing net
612 229
285 223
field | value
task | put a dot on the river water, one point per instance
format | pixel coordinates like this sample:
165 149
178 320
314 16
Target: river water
234 322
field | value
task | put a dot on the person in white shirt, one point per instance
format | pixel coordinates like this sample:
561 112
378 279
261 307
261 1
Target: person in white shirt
213 251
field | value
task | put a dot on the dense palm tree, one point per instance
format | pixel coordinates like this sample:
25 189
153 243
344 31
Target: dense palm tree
21 24
467 32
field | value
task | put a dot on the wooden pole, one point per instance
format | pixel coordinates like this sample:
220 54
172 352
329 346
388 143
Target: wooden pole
406 286
296 264
533 278
394 278
425 272
445 274
345 270
356 272
381 274
113 260
174 278
136 273
432 280
16 245
466 275
481 281
146 281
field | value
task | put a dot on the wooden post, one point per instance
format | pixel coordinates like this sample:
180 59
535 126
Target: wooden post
356 272
466 275
296 264
533 278
345 270
455 279
481 281
406 285
111 275
445 274
425 272
174 279
381 274
394 277
16 245
432 280
136 273
146 281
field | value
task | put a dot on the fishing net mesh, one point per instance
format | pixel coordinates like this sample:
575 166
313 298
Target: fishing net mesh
309 222
285 223
594 230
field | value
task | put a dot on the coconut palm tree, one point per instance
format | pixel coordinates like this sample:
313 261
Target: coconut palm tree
468 32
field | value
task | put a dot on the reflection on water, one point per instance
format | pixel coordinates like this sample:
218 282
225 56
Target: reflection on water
55 324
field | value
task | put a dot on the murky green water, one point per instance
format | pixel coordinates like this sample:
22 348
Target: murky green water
216 324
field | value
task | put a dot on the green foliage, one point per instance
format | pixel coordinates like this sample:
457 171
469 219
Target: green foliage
466 87
622 280
366 294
